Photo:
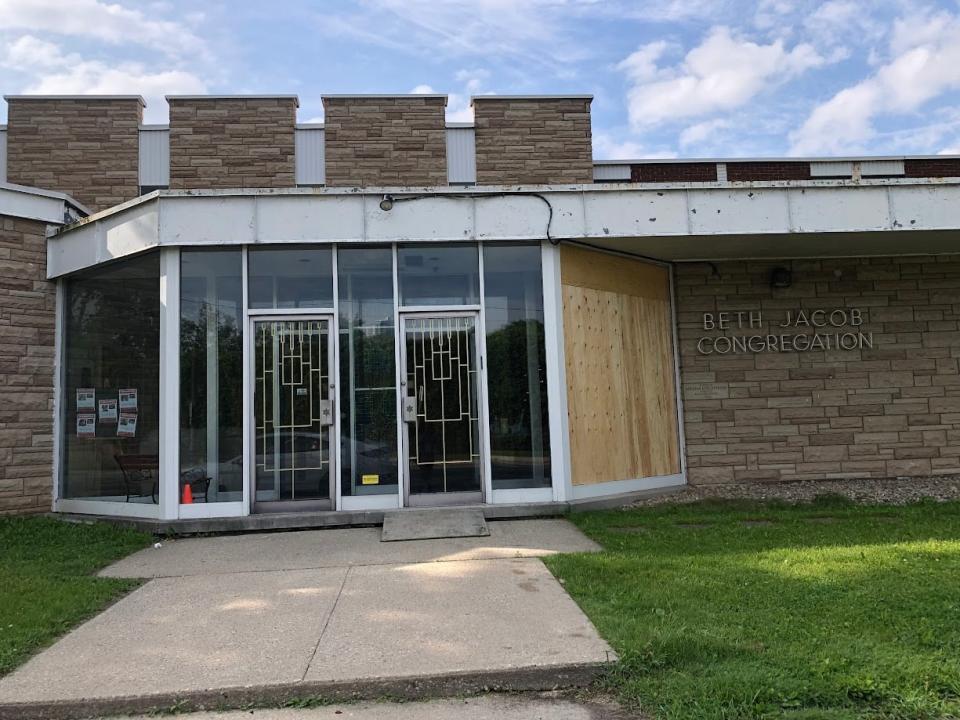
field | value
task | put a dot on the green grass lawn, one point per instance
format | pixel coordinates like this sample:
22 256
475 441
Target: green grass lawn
745 610
46 579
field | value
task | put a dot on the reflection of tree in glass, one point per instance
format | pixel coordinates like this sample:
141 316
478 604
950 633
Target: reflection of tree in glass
193 377
511 351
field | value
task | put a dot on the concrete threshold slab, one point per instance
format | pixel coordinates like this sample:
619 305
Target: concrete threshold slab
432 524
457 684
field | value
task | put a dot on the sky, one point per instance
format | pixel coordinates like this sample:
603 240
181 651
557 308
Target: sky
670 78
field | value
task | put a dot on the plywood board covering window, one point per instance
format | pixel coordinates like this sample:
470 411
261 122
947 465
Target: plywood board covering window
621 393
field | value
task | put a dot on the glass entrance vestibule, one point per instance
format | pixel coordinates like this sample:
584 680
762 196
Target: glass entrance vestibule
209 382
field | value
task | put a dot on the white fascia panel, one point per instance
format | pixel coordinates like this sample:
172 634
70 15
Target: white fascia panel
113 237
746 210
636 213
516 217
928 207
300 218
450 219
826 210
226 220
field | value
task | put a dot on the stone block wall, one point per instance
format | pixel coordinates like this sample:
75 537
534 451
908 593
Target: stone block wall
885 403
85 147
232 142
533 140
385 140
27 306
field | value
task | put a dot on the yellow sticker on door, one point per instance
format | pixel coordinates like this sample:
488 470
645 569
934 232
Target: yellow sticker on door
369 479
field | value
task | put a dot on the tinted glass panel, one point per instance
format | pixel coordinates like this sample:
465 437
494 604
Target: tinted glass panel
439 275
112 382
368 399
211 376
291 277
516 366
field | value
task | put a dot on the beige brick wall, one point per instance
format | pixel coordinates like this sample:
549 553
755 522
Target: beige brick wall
87 148
230 143
542 141
383 141
889 411
27 303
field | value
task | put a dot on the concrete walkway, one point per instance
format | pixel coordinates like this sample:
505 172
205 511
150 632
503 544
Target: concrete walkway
332 612
489 707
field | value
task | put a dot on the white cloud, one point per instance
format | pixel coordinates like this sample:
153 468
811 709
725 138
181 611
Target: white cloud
724 72
608 147
53 72
474 79
698 133
925 63
423 90
110 23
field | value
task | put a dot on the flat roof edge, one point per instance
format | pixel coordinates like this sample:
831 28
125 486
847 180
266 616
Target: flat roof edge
799 159
271 96
345 96
474 98
143 102
42 192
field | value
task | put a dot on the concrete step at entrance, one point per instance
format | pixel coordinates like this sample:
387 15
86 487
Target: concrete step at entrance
433 523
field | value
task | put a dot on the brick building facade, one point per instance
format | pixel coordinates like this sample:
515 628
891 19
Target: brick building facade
841 366
889 407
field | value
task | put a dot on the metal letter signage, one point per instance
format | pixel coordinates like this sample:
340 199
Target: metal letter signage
797 331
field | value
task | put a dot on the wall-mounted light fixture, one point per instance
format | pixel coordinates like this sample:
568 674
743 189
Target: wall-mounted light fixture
781 277
387 203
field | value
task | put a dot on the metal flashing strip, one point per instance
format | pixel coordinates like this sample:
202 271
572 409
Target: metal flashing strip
272 96
32 203
474 98
734 160
382 96
76 97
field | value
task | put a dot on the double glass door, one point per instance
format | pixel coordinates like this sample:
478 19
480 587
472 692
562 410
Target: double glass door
441 409
293 411
293 414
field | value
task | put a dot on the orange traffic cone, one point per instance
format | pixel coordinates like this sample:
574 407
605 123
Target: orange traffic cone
187 498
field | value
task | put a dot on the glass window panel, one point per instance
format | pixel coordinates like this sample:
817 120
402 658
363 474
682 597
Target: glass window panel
439 275
291 277
111 383
516 366
211 375
368 392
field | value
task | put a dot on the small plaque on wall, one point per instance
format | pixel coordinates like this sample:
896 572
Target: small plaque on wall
706 391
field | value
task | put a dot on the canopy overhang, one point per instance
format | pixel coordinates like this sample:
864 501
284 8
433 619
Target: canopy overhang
671 222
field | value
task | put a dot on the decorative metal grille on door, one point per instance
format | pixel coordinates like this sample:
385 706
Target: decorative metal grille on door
441 406
292 410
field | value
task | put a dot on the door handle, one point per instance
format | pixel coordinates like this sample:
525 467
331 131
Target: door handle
410 408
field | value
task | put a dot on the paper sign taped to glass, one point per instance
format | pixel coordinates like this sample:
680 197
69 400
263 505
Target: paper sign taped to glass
86 400
127 426
128 400
108 410
86 425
